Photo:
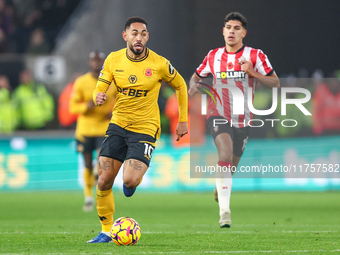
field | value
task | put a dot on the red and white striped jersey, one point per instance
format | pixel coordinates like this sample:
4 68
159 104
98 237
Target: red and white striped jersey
226 71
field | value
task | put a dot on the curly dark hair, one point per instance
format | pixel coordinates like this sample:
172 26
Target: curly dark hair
134 20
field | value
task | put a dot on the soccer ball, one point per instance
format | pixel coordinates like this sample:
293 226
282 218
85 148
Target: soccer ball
125 231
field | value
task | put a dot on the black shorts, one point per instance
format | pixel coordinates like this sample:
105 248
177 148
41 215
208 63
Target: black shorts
121 144
89 144
239 136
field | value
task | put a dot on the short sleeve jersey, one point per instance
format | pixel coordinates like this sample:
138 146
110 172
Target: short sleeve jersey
138 83
225 68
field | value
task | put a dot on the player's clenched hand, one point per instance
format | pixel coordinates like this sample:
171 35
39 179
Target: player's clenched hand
100 98
181 130
247 67
193 90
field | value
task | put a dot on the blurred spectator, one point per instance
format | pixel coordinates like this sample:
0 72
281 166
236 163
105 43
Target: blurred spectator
27 12
54 15
3 42
9 26
7 18
326 107
35 104
67 119
18 18
28 18
8 111
303 73
317 78
38 44
165 92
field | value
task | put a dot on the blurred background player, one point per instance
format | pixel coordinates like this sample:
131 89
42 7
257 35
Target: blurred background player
131 137
92 121
247 63
67 119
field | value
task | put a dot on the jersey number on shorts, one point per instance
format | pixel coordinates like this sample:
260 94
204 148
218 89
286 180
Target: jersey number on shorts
148 150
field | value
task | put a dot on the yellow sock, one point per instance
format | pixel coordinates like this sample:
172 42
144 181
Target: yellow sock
89 182
105 208
140 181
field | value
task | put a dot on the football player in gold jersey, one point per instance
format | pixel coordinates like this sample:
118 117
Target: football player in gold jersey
137 73
92 121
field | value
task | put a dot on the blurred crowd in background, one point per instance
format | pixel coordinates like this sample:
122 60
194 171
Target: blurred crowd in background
31 27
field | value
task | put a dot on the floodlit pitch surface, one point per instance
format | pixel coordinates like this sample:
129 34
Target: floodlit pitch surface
180 223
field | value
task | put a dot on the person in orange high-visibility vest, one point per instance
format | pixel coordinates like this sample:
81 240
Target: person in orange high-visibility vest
196 122
67 119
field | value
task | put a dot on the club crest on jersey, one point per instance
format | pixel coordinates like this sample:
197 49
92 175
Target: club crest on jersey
148 72
132 79
171 69
242 59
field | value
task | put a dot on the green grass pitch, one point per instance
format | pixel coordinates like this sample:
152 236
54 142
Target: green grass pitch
179 223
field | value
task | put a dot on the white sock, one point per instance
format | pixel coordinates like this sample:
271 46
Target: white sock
89 200
223 186
107 233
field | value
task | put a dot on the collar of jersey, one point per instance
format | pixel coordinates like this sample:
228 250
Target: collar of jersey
140 59
236 51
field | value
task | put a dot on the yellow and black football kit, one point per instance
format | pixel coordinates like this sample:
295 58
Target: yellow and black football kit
135 123
91 123
138 82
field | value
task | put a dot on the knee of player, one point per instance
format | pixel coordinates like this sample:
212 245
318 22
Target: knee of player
104 183
131 183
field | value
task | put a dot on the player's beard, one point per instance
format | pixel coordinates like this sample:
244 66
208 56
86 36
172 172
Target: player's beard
137 53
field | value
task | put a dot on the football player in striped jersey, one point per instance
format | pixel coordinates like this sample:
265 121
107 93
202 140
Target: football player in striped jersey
238 67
